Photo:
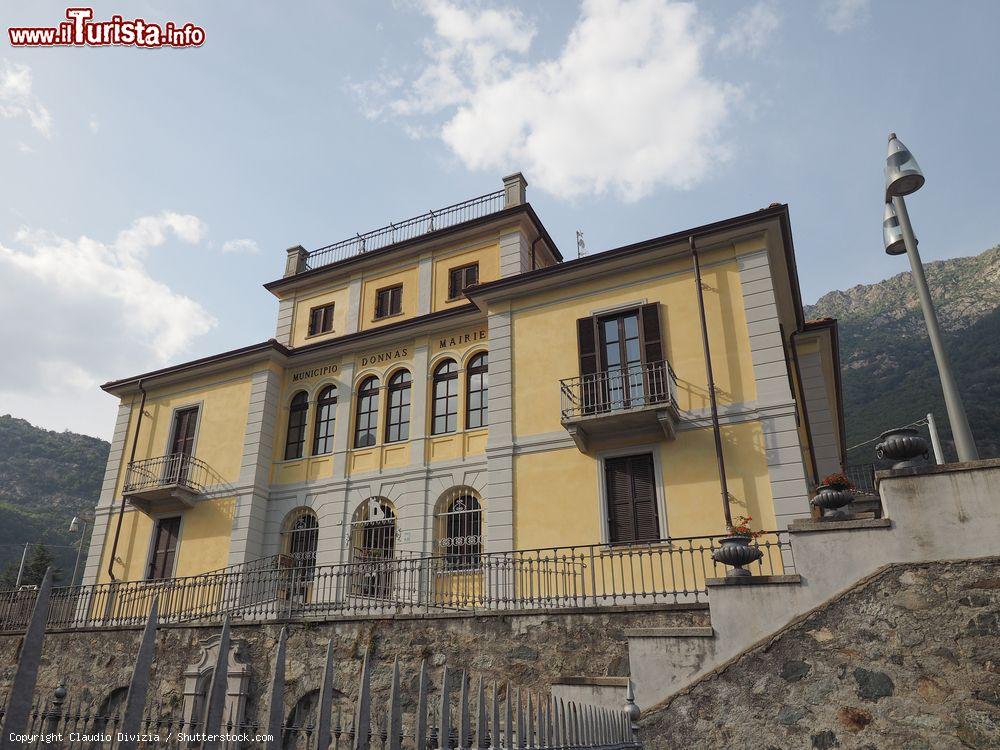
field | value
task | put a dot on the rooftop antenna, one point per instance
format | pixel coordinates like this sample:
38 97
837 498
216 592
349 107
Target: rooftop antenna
581 247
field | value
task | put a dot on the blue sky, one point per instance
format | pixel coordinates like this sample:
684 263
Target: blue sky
145 195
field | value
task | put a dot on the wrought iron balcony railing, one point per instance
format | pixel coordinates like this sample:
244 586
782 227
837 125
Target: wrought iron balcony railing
671 570
174 470
409 229
642 386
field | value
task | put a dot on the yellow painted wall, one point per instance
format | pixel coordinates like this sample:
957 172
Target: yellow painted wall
408 277
558 500
304 304
223 401
545 336
487 255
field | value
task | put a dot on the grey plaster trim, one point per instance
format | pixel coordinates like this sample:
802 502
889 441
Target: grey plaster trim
286 321
803 526
354 305
753 580
425 284
987 463
680 632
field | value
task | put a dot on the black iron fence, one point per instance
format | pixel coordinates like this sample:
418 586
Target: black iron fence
619 389
487 717
661 572
441 218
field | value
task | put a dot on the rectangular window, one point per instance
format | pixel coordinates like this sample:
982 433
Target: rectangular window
461 278
389 301
621 360
630 490
321 320
175 469
161 562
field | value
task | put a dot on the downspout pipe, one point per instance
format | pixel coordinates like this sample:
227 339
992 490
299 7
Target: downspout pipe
131 459
720 457
533 243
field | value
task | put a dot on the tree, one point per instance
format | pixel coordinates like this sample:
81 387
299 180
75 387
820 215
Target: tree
39 560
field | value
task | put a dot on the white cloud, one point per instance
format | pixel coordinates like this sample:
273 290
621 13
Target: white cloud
751 29
88 311
844 15
24 148
624 107
18 100
240 246
94 124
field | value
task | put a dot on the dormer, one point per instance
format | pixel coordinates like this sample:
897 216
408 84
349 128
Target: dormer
409 268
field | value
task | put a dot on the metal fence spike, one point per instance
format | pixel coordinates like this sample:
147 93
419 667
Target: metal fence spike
531 722
481 739
444 714
495 715
520 721
395 719
420 728
276 702
464 726
363 717
135 699
23 688
325 707
217 691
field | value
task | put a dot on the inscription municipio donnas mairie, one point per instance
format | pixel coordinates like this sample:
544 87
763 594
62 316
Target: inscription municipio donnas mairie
388 355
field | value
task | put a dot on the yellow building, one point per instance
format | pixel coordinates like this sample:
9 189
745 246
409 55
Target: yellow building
449 387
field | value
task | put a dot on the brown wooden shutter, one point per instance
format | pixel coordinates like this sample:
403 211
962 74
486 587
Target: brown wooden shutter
586 336
652 342
161 563
621 527
631 498
646 518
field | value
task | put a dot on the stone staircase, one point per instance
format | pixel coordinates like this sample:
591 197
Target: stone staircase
949 512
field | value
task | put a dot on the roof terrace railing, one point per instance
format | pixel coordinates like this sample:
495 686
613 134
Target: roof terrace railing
474 208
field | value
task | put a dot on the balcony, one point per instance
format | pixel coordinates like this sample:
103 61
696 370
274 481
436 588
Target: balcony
166 482
441 218
639 400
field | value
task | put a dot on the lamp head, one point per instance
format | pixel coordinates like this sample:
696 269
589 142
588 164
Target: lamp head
902 173
76 524
892 233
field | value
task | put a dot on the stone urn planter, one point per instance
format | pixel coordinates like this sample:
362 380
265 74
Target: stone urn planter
830 499
904 445
735 550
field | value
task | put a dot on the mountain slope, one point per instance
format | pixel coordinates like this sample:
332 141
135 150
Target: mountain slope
889 375
46 478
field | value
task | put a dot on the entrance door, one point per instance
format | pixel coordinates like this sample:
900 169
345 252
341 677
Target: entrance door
181 445
631 496
621 360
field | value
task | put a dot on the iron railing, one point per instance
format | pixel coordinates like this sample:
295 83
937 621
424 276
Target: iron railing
176 469
635 387
442 714
862 476
657 572
409 229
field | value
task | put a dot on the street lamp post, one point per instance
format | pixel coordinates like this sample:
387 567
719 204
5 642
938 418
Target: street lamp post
903 177
77 524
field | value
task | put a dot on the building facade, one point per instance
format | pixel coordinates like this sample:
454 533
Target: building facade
450 387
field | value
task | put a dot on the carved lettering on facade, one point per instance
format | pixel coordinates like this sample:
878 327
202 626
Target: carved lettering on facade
461 339
387 356
314 372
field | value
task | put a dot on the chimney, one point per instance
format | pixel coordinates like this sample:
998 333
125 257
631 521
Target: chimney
513 190
296 262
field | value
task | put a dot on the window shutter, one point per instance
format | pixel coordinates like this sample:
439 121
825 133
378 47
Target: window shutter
586 334
454 280
472 275
651 338
314 315
619 497
647 522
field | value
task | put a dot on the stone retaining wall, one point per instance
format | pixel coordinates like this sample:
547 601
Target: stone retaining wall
908 659
530 650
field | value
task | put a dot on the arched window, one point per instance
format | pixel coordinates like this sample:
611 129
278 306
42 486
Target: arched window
459 531
296 439
111 711
299 538
366 427
326 413
477 392
301 722
445 398
373 546
397 417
